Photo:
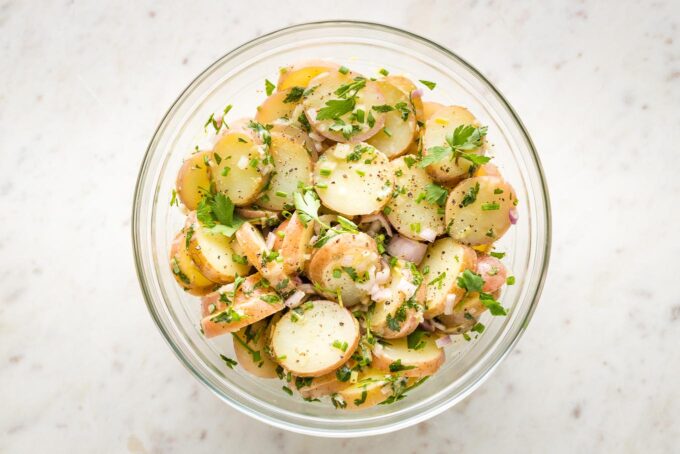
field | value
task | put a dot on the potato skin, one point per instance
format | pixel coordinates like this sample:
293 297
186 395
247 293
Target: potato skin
300 74
192 176
467 220
248 303
185 271
265 368
295 245
465 315
424 362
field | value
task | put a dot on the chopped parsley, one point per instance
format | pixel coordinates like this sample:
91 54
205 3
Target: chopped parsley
294 95
173 199
340 345
436 194
228 361
428 84
343 373
470 196
287 390
463 138
269 87
397 366
510 280
415 341
498 255
360 401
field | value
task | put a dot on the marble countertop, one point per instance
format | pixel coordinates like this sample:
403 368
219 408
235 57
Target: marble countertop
84 85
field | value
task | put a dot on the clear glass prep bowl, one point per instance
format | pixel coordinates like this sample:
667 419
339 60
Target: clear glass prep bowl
238 79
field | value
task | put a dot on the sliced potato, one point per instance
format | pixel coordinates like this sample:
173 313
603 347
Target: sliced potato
324 385
426 360
193 179
216 255
488 170
344 257
185 271
366 392
249 347
478 210
407 86
442 123
293 167
297 135
353 179
255 249
253 301
300 74
366 98
397 133
464 316
409 212
294 243
211 304
396 316
445 260
239 172
429 108
275 108
317 341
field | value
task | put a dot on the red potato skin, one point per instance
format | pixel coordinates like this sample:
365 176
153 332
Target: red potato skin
212 299
492 271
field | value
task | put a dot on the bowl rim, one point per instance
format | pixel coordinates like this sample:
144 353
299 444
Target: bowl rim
411 420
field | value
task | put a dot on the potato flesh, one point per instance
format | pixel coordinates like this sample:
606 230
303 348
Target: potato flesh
213 254
390 307
429 108
371 382
292 167
274 108
255 339
300 74
353 186
243 158
475 223
306 347
442 123
413 218
193 179
185 271
295 245
397 134
445 259
357 251
416 363
366 98
408 87
465 314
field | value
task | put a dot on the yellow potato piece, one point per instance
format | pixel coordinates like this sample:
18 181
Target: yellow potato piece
414 363
249 347
185 271
300 74
193 179
397 134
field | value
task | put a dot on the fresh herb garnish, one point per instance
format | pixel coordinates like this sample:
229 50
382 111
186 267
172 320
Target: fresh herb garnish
436 194
269 87
492 206
287 390
428 84
343 373
415 341
228 361
340 345
470 196
463 138
294 95
397 366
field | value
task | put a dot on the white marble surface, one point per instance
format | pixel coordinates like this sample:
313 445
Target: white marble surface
83 368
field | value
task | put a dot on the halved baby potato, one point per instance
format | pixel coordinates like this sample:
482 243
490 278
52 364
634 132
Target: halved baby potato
249 347
464 316
353 179
300 74
237 168
260 256
253 301
293 167
193 179
407 86
397 134
478 210
409 212
392 316
492 271
366 392
297 135
444 261
215 255
344 258
442 123
406 361
185 271
275 108
317 341
326 85
293 243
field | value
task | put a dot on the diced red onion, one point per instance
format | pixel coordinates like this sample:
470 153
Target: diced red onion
448 305
295 299
513 215
439 326
407 288
426 325
307 288
316 137
417 93
443 341
271 239
384 274
377 217
428 235
406 249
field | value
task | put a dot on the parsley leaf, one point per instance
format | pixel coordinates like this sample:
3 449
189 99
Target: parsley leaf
397 366
435 154
335 108
463 138
269 87
344 373
223 208
415 341
228 361
471 282
470 196
294 95
490 302
307 205
436 194
428 84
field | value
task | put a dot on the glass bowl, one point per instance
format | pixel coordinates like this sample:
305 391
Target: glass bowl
238 79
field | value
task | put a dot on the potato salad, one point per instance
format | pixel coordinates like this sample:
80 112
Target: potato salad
343 234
